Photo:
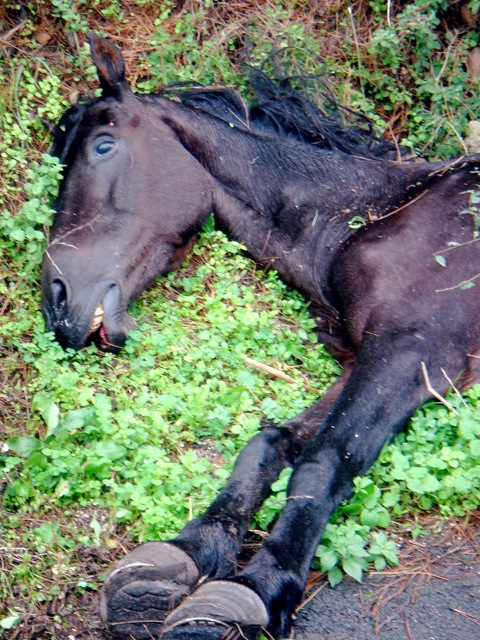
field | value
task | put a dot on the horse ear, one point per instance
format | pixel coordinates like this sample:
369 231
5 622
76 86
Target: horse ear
110 65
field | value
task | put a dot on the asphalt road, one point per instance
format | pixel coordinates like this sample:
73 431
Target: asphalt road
433 595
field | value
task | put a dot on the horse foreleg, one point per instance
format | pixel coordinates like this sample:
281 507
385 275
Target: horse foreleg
215 538
154 578
384 389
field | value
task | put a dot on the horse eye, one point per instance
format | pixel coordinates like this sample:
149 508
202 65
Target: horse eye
104 147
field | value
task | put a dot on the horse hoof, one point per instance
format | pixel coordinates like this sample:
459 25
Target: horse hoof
215 611
144 587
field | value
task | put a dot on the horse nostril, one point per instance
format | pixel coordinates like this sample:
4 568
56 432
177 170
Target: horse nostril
59 294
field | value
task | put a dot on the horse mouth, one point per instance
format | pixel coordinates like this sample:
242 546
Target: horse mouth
97 330
107 332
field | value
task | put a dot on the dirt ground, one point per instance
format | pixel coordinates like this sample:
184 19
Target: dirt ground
434 594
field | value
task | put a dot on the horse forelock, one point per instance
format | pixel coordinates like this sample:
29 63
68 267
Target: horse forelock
67 129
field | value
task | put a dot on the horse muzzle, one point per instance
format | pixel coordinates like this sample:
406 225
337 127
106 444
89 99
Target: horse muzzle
98 315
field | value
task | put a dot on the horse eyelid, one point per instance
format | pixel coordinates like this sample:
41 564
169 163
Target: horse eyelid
103 146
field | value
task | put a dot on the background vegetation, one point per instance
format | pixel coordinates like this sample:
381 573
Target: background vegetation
98 452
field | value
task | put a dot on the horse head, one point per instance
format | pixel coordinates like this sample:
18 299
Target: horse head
127 210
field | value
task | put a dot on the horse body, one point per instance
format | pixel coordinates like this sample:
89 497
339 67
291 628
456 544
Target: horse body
142 175
291 205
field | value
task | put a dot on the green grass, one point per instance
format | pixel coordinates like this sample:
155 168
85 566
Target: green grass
181 381
96 447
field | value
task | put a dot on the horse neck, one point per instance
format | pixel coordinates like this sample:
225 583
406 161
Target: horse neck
287 201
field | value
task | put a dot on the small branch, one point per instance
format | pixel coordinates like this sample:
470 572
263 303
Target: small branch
448 167
450 382
445 63
460 139
311 596
456 246
460 284
407 204
190 508
357 47
273 372
276 373
265 244
434 393
407 626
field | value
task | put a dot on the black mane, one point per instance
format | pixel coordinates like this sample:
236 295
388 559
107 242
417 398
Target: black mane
281 110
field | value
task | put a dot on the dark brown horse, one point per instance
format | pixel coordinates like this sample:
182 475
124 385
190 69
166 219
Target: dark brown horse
142 175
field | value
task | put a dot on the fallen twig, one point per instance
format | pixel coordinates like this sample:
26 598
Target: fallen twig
407 626
434 393
276 373
311 596
456 391
460 284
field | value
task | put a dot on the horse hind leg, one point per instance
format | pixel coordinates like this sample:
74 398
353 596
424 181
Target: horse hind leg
154 578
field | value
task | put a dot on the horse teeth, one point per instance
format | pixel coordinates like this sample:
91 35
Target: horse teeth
97 319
